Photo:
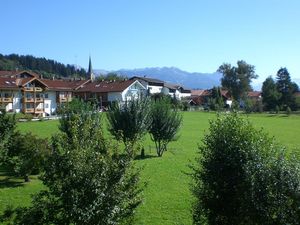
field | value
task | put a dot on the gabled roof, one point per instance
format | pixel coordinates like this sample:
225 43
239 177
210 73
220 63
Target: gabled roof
107 86
201 92
149 80
253 94
12 82
174 87
16 73
64 84
8 83
208 93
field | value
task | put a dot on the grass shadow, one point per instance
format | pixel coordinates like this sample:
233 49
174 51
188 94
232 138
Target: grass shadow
139 157
8 183
7 179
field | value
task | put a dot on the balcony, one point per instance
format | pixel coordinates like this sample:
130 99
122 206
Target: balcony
39 100
28 110
28 89
30 99
64 99
6 100
33 89
38 89
39 110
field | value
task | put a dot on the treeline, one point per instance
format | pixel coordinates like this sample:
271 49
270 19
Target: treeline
46 67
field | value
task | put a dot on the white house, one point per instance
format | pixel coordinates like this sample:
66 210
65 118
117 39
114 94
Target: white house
177 91
106 92
153 86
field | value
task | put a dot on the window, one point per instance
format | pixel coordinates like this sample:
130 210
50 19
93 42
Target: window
46 106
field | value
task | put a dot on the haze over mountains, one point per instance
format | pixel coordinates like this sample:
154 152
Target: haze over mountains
173 75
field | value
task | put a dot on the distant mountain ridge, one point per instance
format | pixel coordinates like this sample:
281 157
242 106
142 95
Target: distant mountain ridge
173 75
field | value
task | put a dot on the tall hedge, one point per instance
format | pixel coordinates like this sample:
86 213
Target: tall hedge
243 177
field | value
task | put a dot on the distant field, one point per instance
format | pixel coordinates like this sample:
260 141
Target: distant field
167 199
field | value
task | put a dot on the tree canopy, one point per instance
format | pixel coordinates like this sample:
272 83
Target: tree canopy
237 79
46 67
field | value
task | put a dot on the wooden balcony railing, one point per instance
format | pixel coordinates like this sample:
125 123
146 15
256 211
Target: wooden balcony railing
28 89
38 89
39 110
32 89
39 100
6 100
28 99
28 110
64 99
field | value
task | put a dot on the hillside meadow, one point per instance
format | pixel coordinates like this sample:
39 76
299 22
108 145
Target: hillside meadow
167 198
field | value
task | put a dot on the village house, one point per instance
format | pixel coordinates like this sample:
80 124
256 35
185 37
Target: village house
201 97
106 92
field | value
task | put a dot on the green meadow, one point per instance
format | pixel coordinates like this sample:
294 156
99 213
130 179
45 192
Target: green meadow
167 198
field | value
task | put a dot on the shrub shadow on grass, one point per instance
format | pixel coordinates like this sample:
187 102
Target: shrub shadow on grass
7 180
8 183
138 157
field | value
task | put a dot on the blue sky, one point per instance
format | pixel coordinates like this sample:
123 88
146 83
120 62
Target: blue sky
193 35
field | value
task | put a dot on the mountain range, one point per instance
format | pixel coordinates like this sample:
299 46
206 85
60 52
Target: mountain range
172 75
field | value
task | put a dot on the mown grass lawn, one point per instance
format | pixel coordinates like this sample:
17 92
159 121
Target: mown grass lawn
167 199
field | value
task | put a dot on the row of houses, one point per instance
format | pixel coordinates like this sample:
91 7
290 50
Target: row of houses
29 93
201 97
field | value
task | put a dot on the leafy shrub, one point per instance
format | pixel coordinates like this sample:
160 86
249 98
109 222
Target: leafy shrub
129 122
243 177
87 181
165 123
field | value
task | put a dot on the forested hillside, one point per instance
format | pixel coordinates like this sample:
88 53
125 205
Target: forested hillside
46 67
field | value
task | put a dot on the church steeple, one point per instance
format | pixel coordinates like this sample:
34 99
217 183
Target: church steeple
91 75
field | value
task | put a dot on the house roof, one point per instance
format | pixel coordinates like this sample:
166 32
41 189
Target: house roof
198 92
4 73
254 94
177 87
149 80
63 84
8 83
106 86
206 93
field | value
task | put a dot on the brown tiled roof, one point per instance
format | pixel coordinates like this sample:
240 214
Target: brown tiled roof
8 83
206 93
63 84
106 86
254 94
15 73
197 92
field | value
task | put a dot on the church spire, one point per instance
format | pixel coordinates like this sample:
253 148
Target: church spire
91 75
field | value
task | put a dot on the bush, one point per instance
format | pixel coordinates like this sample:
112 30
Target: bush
165 124
243 177
87 181
27 154
129 122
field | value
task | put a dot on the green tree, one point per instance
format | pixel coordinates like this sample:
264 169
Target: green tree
7 130
286 88
129 122
242 177
165 124
270 94
112 77
87 181
237 79
216 102
27 154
